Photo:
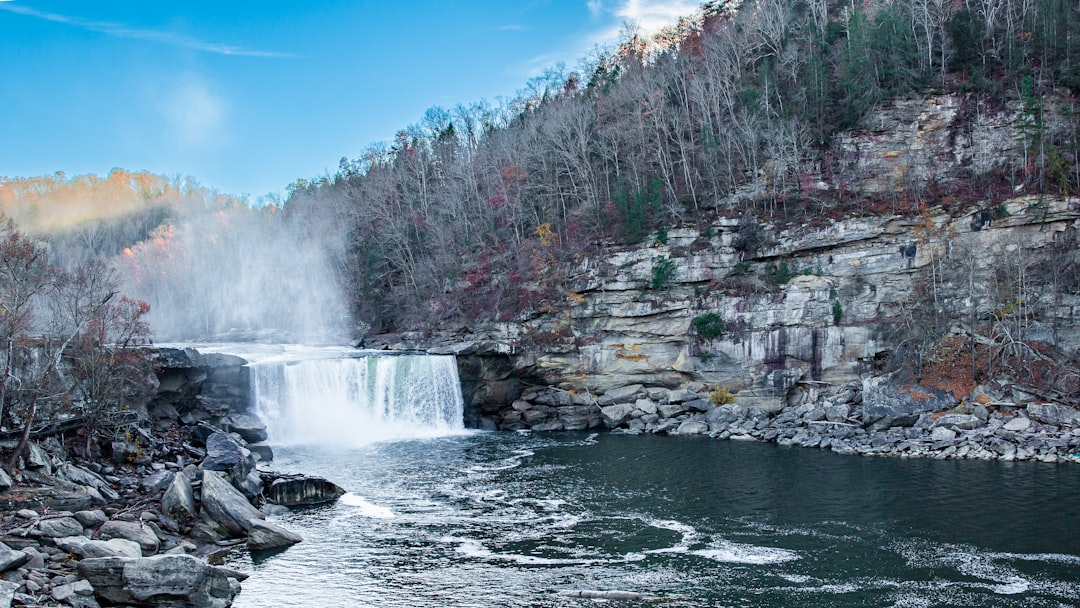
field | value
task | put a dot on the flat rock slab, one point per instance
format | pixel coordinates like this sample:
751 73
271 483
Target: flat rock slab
163 580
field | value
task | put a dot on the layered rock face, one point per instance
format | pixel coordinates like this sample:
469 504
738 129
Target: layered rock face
757 307
854 289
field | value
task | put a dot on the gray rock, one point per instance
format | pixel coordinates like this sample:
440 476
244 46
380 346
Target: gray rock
155 482
63 593
91 519
247 426
84 477
692 427
837 412
179 499
225 506
59 527
265 536
7 593
671 410
1017 425
682 395
10 559
550 425
1053 413
726 414
164 580
130 530
624 394
942 434
964 422
698 405
37 458
615 415
302 490
114 547
266 453
5 480
886 404
223 453
647 406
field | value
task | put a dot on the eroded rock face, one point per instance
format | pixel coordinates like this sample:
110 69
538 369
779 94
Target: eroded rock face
300 490
164 580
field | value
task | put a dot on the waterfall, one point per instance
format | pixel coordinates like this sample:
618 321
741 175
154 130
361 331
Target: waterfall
357 400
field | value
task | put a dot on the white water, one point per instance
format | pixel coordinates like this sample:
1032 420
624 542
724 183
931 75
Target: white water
341 397
355 401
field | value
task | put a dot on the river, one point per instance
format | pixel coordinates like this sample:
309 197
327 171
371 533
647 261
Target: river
508 519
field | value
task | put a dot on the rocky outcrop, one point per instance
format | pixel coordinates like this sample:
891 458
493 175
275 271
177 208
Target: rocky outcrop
876 417
300 490
823 302
172 580
225 507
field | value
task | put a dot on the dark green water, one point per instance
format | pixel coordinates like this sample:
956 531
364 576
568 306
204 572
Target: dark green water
513 520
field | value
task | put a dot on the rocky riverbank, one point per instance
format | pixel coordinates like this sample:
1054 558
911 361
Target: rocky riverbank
143 522
873 417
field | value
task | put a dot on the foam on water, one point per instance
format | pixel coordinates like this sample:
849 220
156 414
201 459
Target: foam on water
736 553
366 508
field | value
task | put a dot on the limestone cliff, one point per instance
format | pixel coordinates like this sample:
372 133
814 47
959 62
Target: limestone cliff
821 301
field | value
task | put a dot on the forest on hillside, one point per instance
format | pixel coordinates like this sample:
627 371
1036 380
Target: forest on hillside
731 112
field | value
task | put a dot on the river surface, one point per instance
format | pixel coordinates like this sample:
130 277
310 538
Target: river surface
507 519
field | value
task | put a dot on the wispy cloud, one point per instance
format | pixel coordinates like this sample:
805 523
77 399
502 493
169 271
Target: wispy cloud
653 15
121 30
610 17
195 115
511 27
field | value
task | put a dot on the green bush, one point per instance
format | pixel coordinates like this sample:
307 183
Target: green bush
663 272
837 312
709 326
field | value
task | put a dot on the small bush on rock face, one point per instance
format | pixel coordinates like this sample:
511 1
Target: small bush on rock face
709 326
721 396
663 272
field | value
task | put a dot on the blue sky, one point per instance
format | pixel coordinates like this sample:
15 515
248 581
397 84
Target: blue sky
247 97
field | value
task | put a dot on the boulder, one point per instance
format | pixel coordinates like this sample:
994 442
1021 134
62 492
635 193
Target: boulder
247 426
5 480
10 559
91 519
59 527
179 499
265 452
302 490
942 433
7 593
614 415
1053 413
84 477
682 395
155 482
964 422
692 427
67 591
37 458
887 404
164 580
623 394
223 453
265 536
1017 424
129 530
225 506
114 547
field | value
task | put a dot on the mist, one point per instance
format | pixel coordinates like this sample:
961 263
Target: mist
241 274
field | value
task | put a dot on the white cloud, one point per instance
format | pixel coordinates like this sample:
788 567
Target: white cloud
653 15
596 7
195 116
119 30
